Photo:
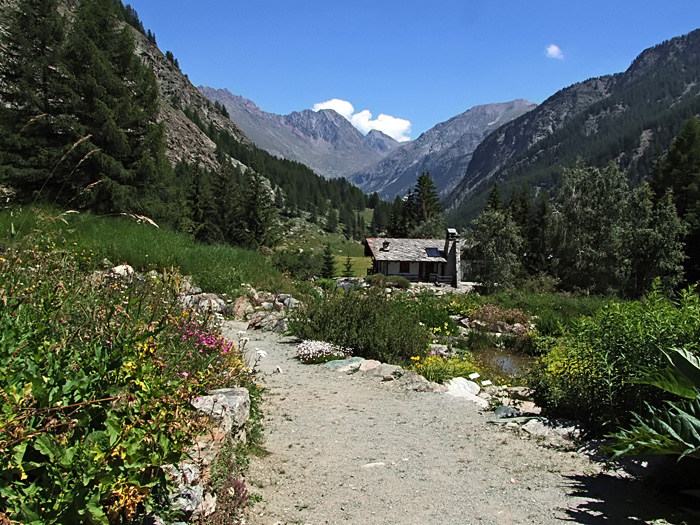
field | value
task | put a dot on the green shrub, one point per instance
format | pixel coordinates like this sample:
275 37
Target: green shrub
398 281
298 265
675 428
431 311
586 373
372 325
377 280
96 379
327 285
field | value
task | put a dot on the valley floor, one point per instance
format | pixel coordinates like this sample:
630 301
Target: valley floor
353 449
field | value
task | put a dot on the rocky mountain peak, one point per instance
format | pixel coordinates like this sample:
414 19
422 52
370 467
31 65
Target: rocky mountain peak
444 150
381 142
323 140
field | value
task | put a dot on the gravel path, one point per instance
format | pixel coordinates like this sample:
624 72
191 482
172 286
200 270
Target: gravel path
353 449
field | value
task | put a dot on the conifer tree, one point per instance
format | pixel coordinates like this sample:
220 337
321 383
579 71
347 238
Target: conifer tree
426 201
328 268
116 105
35 126
347 267
495 199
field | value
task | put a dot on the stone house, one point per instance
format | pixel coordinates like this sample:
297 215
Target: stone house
418 260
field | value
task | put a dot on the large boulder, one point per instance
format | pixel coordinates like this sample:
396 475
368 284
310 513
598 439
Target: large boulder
242 307
229 407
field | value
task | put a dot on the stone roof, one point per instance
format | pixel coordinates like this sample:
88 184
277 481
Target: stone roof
411 250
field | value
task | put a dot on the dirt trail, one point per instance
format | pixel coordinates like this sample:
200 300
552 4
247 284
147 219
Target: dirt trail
353 449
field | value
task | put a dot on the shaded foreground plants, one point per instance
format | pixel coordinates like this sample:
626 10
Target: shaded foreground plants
674 428
588 372
96 378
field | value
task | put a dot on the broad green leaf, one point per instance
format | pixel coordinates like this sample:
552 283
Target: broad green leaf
669 380
687 363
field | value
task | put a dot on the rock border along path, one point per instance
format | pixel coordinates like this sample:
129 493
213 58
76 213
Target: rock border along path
350 448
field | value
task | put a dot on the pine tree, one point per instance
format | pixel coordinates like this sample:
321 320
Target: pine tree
679 172
426 201
116 105
332 221
328 268
397 226
35 126
495 199
260 215
347 268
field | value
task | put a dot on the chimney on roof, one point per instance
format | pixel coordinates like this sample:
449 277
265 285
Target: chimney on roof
453 255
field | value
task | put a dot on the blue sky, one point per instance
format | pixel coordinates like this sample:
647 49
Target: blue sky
415 63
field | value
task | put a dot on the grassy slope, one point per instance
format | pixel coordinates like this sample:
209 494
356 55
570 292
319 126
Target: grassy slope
221 269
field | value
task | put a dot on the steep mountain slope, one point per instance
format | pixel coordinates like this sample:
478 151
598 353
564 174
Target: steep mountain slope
185 141
629 117
323 140
445 151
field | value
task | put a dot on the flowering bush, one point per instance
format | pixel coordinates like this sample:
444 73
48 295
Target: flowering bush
96 379
490 315
310 352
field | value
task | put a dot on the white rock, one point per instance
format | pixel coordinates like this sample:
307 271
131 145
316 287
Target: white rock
460 384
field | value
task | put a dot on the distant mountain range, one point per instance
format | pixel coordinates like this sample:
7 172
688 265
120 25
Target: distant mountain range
444 151
323 140
629 118
332 147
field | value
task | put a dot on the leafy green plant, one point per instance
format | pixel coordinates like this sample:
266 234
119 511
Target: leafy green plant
431 311
398 281
377 280
675 427
373 325
327 285
96 378
440 369
586 373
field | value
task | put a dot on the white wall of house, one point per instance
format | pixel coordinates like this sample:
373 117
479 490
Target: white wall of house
395 268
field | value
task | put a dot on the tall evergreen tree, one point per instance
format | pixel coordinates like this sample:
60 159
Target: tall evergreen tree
679 172
426 201
35 125
328 268
116 105
261 218
495 199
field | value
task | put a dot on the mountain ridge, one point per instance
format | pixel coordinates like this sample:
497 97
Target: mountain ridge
628 117
444 150
323 140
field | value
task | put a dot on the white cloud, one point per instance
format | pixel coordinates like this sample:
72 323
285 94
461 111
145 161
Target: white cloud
554 51
397 128
343 107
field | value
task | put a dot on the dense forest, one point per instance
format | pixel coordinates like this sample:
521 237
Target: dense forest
79 129
597 234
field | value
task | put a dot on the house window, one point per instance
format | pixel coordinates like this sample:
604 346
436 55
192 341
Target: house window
404 267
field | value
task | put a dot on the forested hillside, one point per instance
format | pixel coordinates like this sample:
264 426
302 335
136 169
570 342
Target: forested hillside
629 118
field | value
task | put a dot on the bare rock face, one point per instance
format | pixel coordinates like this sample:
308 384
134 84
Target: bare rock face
185 141
229 407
